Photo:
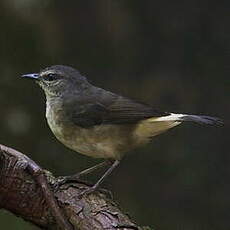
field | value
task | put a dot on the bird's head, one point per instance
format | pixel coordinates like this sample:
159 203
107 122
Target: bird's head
57 79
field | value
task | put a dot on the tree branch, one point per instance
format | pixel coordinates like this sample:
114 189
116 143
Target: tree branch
26 190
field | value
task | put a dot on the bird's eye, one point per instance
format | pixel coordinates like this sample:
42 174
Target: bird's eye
51 77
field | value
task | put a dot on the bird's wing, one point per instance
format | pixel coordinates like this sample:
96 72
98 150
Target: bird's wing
119 110
126 111
87 115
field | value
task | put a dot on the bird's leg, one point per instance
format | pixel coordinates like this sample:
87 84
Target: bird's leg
91 169
64 179
98 183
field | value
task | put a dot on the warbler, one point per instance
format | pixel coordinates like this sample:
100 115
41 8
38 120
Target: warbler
98 123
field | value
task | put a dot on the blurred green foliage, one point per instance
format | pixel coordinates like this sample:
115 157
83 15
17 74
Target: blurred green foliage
173 54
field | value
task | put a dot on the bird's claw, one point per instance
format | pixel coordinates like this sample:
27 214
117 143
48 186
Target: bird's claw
63 180
86 192
92 189
106 192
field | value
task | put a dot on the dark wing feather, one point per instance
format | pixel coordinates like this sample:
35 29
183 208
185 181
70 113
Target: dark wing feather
109 109
88 115
126 111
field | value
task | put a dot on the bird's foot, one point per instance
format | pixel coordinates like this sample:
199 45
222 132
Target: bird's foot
92 189
86 192
64 180
106 192
75 179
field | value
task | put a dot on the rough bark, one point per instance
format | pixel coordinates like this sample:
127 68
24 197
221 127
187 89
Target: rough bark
27 191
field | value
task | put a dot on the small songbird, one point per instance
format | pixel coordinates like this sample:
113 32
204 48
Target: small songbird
99 123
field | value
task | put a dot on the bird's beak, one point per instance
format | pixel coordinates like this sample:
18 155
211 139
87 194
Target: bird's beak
31 76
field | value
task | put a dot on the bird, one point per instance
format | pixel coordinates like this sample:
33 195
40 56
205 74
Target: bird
99 123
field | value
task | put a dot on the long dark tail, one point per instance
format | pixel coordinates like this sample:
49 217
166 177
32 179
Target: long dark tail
207 120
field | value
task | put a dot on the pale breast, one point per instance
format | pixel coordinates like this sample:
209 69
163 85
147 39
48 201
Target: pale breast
101 141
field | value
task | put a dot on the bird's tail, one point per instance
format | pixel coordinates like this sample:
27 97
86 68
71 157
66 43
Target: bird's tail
156 125
201 119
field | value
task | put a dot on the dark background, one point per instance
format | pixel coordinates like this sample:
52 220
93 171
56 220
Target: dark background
172 54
